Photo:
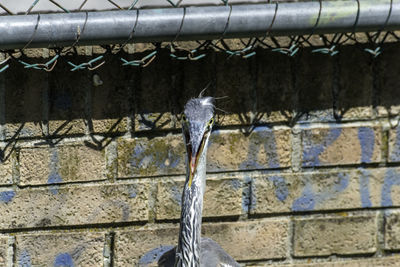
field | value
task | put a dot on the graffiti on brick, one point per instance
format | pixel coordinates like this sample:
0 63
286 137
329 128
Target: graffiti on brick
24 259
321 146
54 177
312 149
395 150
309 198
7 196
392 178
366 136
154 156
364 181
63 260
261 137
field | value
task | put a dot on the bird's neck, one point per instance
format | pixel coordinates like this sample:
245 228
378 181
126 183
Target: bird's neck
188 251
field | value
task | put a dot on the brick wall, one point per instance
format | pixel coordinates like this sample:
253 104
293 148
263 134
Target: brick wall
304 168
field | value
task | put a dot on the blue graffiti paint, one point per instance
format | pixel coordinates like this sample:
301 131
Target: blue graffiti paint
395 153
7 196
309 199
248 195
63 260
54 177
311 150
392 178
343 183
139 158
364 188
236 184
173 161
367 140
24 259
268 141
136 155
281 188
153 255
306 201
132 191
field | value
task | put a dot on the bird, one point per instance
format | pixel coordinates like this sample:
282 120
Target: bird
192 249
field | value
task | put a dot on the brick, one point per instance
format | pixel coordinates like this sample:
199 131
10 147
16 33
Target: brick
63 249
157 156
67 163
341 145
251 240
228 150
132 245
112 101
314 86
391 261
67 100
324 190
263 148
235 78
392 230
154 100
3 250
342 235
73 205
354 100
388 82
6 166
275 101
223 197
263 239
394 145
23 101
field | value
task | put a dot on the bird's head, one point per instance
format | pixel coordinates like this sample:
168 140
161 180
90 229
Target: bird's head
197 121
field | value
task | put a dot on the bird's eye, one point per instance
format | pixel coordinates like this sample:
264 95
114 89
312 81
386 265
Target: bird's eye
210 122
184 119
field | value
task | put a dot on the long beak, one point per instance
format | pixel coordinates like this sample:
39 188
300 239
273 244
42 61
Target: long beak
196 141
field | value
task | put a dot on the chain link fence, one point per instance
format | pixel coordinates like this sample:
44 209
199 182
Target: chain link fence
329 44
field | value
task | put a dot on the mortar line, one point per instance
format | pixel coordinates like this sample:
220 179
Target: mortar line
380 233
11 252
108 250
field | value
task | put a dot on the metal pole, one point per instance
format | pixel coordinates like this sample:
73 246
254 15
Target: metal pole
198 23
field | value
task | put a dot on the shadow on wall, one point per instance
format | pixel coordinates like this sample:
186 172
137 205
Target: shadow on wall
269 88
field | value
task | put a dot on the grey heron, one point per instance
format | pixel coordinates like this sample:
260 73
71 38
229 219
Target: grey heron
192 249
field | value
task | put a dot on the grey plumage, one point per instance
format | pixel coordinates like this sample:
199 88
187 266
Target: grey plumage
211 255
192 250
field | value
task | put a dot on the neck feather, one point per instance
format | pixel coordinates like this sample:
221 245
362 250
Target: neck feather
188 251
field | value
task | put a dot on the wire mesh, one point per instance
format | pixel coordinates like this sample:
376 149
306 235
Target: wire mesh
328 44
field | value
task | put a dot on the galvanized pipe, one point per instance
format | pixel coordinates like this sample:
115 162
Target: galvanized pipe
198 23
